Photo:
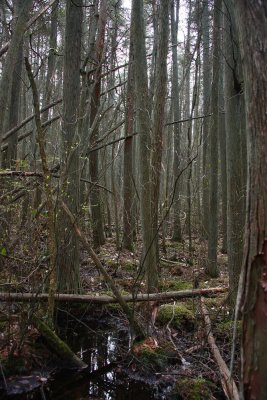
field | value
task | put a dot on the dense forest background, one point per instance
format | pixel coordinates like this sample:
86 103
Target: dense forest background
135 135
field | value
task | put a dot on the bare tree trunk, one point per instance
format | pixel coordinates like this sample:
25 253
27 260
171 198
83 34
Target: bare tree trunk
234 114
176 112
11 60
128 156
251 17
68 247
159 115
148 261
212 268
222 143
95 197
206 108
13 109
51 58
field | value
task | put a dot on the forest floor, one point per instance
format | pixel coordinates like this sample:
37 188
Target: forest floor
175 358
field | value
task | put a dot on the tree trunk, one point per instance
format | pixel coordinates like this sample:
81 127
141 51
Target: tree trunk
176 113
251 17
206 108
159 115
234 107
11 61
128 156
68 247
222 145
212 268
148 261
51 58
95 197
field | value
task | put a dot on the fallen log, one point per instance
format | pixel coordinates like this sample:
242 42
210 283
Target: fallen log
63 351
105 299
228 384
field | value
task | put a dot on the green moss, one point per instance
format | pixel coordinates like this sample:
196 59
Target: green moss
155 358
224 330
129 266
175 284
193 389
58 346
179 315
112 263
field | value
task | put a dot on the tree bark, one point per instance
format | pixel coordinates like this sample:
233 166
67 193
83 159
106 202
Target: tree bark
148 261
68 247
105 299
211 267
251 17
176 113
158 116
235 113
95 198
10 62
206 108
128 156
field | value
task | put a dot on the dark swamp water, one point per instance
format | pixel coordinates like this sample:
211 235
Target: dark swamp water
101 345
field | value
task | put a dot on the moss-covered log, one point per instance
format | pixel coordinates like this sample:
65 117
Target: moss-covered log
105 299
60 348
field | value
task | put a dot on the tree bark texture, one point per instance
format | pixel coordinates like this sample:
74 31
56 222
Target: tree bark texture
252 23
176 113
212 268
128 156
148 261
206 108
234 114
95 198
11 61
158 114
68 248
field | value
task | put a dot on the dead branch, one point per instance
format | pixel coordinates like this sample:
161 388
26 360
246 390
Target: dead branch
228 384
187 120
22 174
5 47
138 330
30 132
32 174
52 243
105 299
29 119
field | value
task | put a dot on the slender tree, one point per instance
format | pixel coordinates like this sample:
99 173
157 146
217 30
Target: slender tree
212 268
176 113
148 262
159 114
95 198
128 156
68 249
11 60
206 108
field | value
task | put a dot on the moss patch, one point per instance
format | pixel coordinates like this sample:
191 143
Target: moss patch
179 315
129 266
153 356
175 284
224 330
193 389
